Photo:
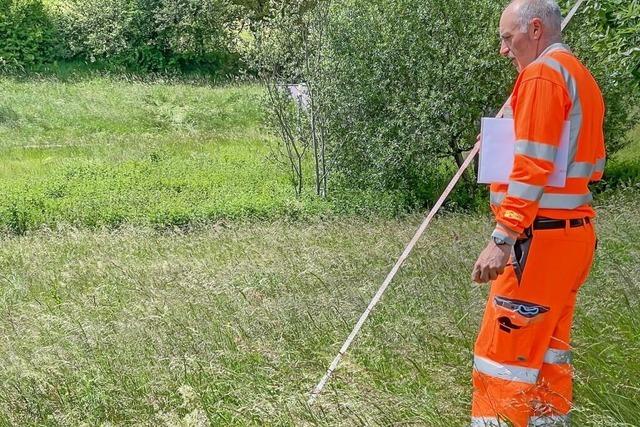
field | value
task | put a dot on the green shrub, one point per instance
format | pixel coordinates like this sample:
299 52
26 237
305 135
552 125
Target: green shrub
404 85
27 34
623 173
605 34
149 35
616 34
400 85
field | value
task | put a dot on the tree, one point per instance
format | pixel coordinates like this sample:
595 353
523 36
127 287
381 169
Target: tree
256 12
606 36
404 85
27 35
150 35
399 86
617 33
287 55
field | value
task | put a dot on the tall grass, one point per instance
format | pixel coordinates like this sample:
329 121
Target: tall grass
233 325
110 316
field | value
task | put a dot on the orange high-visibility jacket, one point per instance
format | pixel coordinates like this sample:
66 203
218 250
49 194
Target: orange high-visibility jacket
551 90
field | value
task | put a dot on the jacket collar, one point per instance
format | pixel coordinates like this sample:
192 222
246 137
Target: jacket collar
554 47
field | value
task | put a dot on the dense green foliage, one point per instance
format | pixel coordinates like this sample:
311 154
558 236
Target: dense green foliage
617 34
234 324
132 35
623 168
149 35
399 87
404 84
606 47
104 152
28 37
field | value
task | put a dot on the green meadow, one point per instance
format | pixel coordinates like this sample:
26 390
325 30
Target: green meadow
157 270
100 152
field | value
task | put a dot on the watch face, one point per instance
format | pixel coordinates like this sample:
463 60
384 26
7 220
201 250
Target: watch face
498 241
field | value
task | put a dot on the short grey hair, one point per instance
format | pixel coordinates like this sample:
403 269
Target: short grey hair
546 10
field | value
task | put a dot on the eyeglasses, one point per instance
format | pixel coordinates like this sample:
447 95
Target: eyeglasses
523 308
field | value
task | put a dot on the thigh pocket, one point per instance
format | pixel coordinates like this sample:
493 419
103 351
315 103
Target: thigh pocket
514 332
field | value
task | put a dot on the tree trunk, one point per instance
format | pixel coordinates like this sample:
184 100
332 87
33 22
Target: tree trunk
468 176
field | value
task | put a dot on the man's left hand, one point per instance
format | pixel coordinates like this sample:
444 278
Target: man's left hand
491 263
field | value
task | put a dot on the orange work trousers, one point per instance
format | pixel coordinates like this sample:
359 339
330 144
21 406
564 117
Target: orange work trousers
522 374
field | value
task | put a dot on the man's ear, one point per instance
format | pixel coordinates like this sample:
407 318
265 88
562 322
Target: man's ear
536 28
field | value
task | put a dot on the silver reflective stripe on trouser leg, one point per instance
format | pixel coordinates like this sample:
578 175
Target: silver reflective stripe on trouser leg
486 422
550 421
575 115
505 372
554 356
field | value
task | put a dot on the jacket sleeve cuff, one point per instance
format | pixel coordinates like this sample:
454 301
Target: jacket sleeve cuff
506 234
510 221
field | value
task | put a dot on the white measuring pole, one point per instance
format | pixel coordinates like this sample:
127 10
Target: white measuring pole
356 329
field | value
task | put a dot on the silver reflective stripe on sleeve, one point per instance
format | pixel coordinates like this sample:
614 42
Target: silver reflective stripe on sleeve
585 169
580 170
550 421
486 422
550 201
537 150
496 198
575 115
554 356
525 191
505 372
565 201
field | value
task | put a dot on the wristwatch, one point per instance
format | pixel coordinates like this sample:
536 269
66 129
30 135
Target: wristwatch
502 239
499 241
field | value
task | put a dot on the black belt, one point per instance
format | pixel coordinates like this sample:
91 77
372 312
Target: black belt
549 224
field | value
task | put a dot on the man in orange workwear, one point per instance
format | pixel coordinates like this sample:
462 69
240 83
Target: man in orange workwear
543 244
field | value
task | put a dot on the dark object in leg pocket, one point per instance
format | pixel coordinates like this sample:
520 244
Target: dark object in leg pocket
520 253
